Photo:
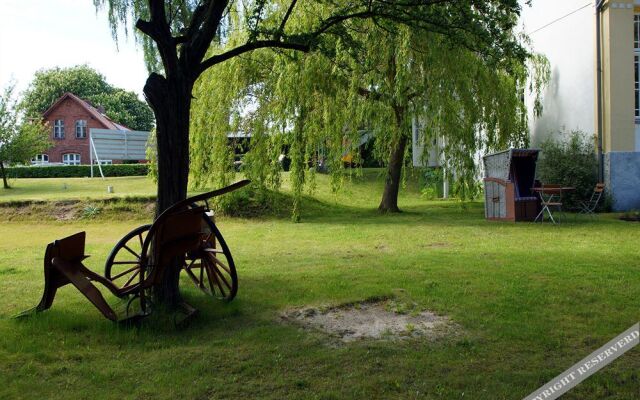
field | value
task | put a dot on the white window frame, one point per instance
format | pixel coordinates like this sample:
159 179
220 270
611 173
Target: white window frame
71 159
81 129
58 129
40 159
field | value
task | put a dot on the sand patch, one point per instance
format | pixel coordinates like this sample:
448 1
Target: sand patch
66 211
377 320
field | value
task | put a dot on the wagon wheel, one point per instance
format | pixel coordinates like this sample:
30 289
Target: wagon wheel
211 267
123 264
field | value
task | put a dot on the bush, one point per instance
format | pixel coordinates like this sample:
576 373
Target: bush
431 183
570 162
254 202
464 187
77 171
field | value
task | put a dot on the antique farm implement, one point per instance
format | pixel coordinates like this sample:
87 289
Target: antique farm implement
184 233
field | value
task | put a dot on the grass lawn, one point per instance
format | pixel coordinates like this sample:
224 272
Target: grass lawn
531 300
76 188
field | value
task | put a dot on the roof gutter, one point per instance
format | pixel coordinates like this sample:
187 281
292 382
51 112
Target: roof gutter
599 5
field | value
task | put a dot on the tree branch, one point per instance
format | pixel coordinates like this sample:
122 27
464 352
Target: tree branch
258 44
148 29
158 29
335 20
280 31
196 48
368 94
197 18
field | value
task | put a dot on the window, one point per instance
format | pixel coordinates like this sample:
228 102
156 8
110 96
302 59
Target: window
636 61
58 129
71 159
81 129
40 159
103 162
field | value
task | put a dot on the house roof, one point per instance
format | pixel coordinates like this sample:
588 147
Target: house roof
104 120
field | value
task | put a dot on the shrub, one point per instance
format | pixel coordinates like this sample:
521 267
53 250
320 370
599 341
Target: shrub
90 211
77 171
254 202
464 187
632 215
569 162
431 183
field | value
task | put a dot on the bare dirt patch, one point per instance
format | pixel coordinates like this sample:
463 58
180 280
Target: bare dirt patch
66 211
150 208
377 320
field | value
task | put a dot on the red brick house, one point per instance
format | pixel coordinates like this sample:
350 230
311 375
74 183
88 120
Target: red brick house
70 118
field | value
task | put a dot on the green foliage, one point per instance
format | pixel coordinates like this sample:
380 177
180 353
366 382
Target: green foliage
463 188
90 211
77 171
539 78
432 180
306 24
372 64
48 85
19 139
376 77
467 188
254 202
569 160
120 105
152 156
125 108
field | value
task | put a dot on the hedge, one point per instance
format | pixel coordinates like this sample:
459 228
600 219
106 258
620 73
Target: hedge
77 171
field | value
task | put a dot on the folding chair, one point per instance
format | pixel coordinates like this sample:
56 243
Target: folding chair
589 207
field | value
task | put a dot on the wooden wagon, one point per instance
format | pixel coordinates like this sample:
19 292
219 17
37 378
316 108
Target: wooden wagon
184 232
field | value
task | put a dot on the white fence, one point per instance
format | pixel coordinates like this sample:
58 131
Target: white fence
108 144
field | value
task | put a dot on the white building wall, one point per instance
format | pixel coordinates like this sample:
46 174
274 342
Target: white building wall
564 31
431 158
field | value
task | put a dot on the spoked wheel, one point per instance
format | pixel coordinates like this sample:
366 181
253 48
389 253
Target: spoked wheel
123 264
211 267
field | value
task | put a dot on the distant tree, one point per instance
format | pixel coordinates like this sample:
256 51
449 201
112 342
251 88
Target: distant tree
20 139
125 108
85 82
49 84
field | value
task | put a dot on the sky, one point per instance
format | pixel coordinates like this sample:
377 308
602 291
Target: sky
41 34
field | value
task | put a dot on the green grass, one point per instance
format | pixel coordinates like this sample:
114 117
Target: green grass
76 188
531 300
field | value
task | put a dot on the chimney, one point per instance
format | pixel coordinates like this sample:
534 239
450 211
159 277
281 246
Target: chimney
100 109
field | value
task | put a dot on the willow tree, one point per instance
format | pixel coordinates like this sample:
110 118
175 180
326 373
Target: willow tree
377 75
184 38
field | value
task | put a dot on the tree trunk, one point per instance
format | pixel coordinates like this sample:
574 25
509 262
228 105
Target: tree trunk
170 100
4 176
389 201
